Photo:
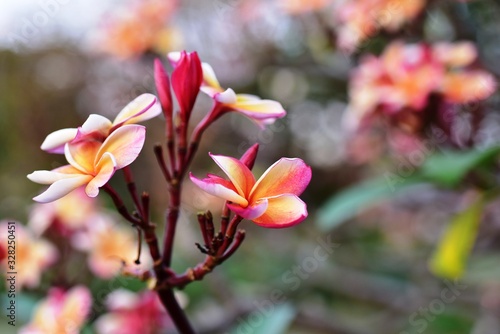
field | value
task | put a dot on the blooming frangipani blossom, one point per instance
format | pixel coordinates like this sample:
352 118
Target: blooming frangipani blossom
403 78
358 20
91 163
271 201
261 111
131 313
97 127
107 256
60 312
139 27
33 255
65 216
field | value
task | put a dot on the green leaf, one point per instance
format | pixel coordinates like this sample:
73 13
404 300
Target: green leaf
450 257
449 168
268 318
350 202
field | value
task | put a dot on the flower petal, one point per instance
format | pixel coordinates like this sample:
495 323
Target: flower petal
239 174
81 154
219 187
259 109
49 177
174 57
250 212
286 176
105 169
162 84
209 77
96 123
142 108
226 97
62 187
463 87
248 158
282 211
54 142
125 144
186 81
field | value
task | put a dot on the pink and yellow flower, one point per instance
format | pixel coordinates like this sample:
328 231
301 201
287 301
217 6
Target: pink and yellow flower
132 313
405 75
261 111
71 213
97 127
271 201
107 256
32 255
96 150
141 27
60 312
361 19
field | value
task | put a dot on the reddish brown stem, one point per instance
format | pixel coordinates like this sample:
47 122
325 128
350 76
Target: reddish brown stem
228 238
132 189
176 313
172 216
161 162
240 236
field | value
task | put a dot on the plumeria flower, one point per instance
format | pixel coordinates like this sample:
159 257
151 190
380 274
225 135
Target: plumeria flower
91 162
360 19
131 313
271 201
66 216
142 108
33 255
108 256
401 81
262 112
60 312
138 27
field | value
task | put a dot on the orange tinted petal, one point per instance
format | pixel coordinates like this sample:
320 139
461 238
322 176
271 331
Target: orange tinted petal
286 176
282 211
239 174
469 86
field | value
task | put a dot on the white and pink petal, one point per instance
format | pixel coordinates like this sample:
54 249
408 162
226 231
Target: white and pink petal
125 144
62 187
142 108
54 142
219 187
250 212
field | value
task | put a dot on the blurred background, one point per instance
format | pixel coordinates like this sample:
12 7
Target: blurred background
403 234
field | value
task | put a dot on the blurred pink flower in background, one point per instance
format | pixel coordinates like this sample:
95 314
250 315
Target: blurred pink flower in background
301 6
131 313
111 247
67 215
361 19
33 255
399 83
137 28
60 312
